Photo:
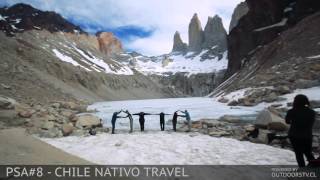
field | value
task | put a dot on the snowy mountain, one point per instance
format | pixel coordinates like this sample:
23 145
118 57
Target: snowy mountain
170 64
70 63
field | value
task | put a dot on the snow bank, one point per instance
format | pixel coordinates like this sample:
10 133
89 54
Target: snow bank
171 148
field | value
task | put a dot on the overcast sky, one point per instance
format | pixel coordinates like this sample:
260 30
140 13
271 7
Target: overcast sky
146 26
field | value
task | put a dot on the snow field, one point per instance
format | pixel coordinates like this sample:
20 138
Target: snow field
171 149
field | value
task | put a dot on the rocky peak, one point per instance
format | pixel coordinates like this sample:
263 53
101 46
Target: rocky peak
195 34
22 17
215 34
241 10
108 43
178 44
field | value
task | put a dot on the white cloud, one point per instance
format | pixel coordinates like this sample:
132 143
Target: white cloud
166 16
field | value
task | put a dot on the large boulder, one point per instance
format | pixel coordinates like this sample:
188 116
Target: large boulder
7 103
271 121
67 129
26 114
88 121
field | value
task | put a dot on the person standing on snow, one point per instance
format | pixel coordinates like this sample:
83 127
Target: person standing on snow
131 120
188 118
301 118
141 119
174 120
114 119
162 120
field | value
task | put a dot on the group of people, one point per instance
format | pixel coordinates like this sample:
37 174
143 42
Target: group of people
301 119
142 115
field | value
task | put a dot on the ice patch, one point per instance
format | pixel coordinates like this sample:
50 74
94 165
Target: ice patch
16 21
36 27
171 148
68 59
314 57
2 18
100 65
279 24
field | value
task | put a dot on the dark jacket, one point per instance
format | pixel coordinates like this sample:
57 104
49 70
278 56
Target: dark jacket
141 115
301 121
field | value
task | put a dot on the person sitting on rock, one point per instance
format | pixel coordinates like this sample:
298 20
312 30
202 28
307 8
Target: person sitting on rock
188 118
301 118
141 119
114 119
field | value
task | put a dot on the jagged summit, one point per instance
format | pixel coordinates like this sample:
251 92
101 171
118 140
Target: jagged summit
210 42
22 17
215 34
178 44
195 34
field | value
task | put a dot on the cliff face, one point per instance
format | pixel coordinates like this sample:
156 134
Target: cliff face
262 24
108 43
241 10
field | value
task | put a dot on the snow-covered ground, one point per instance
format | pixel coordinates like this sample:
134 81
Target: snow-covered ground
171 148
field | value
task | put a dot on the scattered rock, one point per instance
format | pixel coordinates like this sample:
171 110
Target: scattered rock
88 121
7 103
67 129
304 83
51 133
233 103
223 100
283 90
271 97
230 119
249 128
47 125
25 114
5 86
55 105
219 133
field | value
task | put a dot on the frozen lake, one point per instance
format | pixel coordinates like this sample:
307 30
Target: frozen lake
199 108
